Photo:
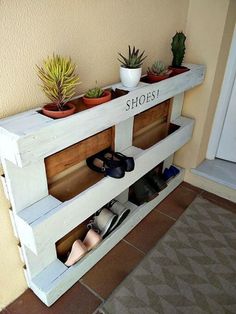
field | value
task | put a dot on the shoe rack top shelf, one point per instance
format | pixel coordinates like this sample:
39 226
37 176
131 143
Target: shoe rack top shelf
30 136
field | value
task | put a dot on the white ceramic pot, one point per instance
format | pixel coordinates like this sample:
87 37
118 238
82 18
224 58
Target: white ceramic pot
130 77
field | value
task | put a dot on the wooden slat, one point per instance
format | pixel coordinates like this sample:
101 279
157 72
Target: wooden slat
152 136
74 183
151 115
74 154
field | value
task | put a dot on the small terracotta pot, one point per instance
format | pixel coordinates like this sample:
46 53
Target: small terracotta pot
91 102
178 70
51 110
152 78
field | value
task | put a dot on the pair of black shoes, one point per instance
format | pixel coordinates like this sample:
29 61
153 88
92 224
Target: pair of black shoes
112 164
147 188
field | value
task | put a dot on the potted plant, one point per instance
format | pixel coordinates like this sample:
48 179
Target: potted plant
130 69
96 96
58 83
178 50
158 72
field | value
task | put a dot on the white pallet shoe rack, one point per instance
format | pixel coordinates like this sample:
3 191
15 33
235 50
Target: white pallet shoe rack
40 219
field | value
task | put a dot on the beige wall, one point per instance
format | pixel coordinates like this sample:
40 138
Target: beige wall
91 32
210 33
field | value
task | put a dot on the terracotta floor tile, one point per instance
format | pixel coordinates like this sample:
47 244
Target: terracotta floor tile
76 300
220 201
191 187
112 269
176 203
149 230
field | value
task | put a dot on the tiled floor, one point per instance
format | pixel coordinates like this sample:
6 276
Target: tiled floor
85 296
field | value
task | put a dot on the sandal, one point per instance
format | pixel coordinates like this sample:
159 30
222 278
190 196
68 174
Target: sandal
110 167
120 210
103 221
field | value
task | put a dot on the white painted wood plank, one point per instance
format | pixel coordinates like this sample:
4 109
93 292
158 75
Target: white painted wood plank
177 105
35 264
25 185
67 214
52 137
55 280
4 185
124 134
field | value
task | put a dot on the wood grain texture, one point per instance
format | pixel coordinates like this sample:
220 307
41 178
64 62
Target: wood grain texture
76 153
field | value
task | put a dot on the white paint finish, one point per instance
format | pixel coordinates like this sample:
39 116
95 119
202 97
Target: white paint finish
13 222
5 189
26 218
25 185
124 134
35 264
227 144
68 216
177 105
220 171
223 101
51 137
52 282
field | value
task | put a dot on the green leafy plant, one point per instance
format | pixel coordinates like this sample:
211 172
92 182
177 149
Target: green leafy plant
158 68
178 48
95 92
134 59
58 79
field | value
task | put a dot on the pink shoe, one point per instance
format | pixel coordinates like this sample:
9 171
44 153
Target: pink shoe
92 239
78 250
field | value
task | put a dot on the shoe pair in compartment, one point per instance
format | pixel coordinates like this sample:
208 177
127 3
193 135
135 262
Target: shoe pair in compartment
103 223
109 218
113 164
170 173
147 187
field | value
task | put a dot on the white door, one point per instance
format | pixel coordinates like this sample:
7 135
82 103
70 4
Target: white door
227 145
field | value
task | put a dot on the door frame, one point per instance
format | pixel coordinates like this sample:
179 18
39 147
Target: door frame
223 101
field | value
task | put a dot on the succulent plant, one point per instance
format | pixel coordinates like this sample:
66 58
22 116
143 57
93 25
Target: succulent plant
134 60
158 68
178 48
95 92
58 79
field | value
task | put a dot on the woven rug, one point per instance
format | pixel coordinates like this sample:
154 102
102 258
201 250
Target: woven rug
192 269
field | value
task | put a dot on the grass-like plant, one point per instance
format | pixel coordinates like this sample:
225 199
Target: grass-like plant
58 79
134 59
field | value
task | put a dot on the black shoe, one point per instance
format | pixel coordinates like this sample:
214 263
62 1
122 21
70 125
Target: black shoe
156 180
120 159
110 167
143 191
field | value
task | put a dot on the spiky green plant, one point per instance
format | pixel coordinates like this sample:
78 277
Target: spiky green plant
178 48
158 68
134 60
58 79
95 92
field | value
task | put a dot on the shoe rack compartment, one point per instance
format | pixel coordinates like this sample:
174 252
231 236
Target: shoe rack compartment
52 287
152 125
51 190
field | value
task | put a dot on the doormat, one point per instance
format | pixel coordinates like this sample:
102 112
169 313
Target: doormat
192 269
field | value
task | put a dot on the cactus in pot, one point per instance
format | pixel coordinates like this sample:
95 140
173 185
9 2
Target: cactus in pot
178 51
